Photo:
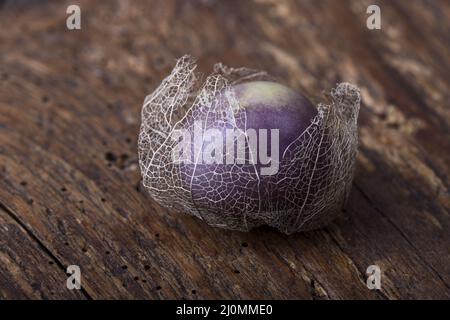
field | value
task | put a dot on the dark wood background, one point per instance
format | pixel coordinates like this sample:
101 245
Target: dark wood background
70 190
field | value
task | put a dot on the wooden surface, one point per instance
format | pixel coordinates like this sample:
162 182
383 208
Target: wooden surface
69 179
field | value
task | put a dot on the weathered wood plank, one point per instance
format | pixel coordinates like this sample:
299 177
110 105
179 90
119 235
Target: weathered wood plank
28 271
69 117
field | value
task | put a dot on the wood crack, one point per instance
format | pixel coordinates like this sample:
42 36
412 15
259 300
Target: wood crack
311 281
40 244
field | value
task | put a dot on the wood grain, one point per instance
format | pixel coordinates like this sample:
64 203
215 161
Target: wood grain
69 179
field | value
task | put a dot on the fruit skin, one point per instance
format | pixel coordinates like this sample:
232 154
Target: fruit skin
270 105
239 189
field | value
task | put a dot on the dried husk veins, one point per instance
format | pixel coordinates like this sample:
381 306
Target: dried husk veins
315 173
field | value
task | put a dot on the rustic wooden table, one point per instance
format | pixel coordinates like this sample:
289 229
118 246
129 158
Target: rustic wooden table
70 189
